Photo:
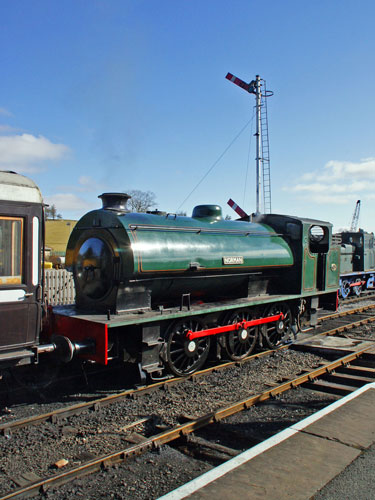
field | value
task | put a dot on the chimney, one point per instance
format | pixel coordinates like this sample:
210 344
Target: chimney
115 201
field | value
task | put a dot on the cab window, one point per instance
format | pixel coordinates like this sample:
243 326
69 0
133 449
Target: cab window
318 239
11 243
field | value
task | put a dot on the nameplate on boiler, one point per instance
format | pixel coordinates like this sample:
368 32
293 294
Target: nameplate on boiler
232 261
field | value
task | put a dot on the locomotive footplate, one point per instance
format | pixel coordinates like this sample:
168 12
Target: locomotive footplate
199 308
147 329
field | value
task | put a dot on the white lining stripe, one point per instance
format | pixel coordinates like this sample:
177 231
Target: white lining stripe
36 252
210 476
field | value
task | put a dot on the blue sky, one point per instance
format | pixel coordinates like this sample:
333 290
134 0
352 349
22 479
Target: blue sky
116 95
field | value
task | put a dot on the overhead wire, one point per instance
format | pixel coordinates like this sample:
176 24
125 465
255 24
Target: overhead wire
217 161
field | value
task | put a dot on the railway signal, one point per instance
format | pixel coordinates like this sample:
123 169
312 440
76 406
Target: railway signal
237 209
263 175
249 87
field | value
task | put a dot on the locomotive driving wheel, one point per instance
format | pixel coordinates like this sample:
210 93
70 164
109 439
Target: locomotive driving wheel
186 356
274 334
345 289
241 343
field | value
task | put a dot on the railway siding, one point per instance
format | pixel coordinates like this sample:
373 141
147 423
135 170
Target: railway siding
102 426
134 425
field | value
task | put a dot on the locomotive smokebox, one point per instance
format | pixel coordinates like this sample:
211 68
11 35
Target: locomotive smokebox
115 201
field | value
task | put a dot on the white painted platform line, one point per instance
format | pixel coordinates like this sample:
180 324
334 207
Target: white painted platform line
210 476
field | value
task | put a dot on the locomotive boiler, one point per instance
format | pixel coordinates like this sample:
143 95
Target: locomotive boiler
127 261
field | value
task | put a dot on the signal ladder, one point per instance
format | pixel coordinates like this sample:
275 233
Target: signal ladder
266 167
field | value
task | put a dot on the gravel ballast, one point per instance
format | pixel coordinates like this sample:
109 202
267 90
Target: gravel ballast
94 434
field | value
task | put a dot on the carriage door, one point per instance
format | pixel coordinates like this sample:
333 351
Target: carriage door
20 276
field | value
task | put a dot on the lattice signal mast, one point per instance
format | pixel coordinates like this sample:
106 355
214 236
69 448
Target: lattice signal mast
263 172
355 218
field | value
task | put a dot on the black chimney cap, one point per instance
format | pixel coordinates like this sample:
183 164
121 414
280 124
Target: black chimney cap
115 201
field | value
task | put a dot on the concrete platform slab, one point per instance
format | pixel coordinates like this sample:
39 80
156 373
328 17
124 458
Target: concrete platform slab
297 462
352 424
294 470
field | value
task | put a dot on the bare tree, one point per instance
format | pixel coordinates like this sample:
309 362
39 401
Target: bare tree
141 201
51 213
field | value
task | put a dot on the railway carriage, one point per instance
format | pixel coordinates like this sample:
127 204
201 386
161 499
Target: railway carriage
21 239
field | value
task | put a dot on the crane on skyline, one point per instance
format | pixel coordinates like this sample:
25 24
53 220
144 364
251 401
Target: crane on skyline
355 218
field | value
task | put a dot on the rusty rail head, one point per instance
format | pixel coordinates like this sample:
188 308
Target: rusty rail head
180 430
54 416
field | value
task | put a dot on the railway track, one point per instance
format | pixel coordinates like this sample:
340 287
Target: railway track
362 316
336 323
340 377
336 377
368 295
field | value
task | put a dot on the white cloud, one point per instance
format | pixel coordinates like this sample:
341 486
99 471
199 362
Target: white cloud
5 112
348 170
318 187
24 151
85 184
67 201
338 182
88 184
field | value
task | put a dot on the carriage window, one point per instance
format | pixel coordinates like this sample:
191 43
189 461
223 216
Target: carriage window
11 231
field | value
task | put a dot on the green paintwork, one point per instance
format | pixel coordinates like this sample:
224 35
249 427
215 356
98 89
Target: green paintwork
309 267
333 268
173 244
346 259
179 243
134 319
369 252
357 252
321 264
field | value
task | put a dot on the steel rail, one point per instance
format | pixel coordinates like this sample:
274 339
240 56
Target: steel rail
349 326
347 313
180 430
55 416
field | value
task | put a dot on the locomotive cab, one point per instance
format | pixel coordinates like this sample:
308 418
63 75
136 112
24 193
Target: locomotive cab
317 258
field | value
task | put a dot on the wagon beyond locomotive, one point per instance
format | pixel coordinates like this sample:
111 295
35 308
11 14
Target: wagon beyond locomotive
160 289
357 262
